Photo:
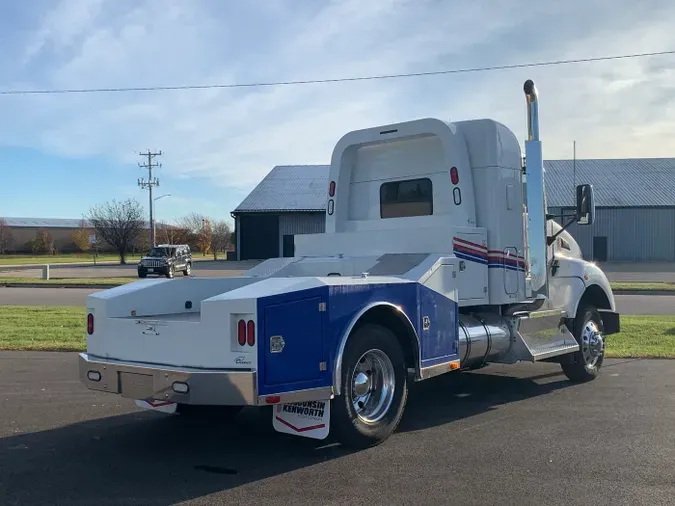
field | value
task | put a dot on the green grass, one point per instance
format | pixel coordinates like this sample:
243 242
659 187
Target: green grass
66 281
643 336
63 329
644 286
42 328
61 259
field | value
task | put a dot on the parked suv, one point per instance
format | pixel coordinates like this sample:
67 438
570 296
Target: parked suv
166 259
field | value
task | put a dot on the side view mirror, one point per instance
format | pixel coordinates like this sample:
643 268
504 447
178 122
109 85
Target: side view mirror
585 205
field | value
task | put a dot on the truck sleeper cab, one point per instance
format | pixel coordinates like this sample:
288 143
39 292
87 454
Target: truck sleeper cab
436 258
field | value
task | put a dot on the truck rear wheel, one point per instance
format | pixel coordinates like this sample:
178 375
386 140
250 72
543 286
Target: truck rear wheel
374 388
584 365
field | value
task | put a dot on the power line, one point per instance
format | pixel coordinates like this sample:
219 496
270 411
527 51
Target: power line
335 80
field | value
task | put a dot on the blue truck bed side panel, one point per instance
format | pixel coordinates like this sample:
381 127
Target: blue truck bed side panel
440 342
312 337
295 316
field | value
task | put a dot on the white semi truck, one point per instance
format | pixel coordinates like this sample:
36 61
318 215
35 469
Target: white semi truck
438 256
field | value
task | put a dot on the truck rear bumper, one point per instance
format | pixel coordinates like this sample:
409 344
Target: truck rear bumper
183 385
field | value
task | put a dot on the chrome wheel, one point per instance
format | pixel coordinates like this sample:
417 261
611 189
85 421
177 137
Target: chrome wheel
592 343
188 269
373 384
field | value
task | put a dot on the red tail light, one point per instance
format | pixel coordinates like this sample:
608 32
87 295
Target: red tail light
241 332
331 189
454 175
250 333
90 324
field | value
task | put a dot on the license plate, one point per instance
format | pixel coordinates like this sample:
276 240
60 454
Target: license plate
151 269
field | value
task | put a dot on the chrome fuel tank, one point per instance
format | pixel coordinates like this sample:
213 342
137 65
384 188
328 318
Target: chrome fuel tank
482 338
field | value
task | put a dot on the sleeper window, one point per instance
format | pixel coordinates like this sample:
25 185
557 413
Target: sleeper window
413 197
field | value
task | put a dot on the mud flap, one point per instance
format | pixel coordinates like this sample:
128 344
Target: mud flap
154 405
309 419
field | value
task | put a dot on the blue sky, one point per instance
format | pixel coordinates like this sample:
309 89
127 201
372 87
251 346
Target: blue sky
61 154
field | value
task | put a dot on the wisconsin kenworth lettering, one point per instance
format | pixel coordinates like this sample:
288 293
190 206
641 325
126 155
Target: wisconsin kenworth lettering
310 408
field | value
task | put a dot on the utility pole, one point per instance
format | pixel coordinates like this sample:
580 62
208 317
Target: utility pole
574 171
149 165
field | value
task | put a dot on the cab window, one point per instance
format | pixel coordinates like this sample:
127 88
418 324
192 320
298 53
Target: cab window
412 197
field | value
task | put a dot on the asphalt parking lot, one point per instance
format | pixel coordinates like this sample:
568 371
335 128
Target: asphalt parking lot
515 435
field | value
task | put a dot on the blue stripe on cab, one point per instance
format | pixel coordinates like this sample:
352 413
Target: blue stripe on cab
471 258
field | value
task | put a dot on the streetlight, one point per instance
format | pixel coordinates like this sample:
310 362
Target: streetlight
154 214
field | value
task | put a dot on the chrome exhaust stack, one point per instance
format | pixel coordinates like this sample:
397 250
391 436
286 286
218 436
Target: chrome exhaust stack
536 199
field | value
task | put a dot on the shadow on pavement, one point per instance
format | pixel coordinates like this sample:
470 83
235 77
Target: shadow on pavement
452 397
151 458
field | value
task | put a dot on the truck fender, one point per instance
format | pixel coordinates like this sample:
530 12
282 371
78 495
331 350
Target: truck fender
594 295
391 317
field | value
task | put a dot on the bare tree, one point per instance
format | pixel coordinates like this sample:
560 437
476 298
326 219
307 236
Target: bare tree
141 245
6 236
200 232
118 224
222 238
172 234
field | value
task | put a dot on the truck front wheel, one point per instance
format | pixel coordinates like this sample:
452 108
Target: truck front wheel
374 388
584 365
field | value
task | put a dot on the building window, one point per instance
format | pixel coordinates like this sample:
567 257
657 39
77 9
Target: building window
413 197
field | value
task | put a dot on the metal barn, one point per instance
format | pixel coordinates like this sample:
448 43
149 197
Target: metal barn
635 208
290 200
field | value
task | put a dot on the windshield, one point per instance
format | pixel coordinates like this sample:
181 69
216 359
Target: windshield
162 252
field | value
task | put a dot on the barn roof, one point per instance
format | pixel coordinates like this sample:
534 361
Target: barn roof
289 188
44 222
632 182
50 222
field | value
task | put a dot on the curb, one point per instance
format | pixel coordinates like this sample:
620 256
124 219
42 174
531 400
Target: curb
54 285
21 267
107 263
644 292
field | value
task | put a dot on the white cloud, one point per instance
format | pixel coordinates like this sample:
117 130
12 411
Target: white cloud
235 136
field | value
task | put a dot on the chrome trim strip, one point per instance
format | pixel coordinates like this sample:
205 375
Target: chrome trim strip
145 381
343 341
310 394
545 313
438 369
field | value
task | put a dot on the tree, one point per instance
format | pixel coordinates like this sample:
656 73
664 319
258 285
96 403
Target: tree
118 223
43 243
200 232
141 244
81 237
171 234
222 238
6 236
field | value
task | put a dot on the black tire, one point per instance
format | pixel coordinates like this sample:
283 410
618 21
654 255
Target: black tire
575 367
170 272
142 274
188 269
351 430
212 412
